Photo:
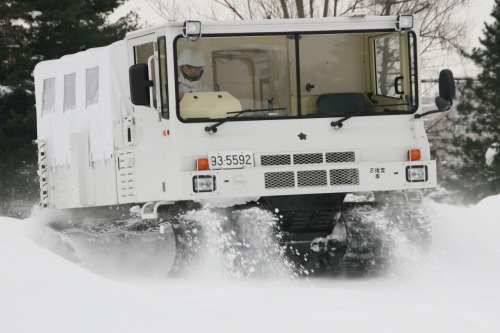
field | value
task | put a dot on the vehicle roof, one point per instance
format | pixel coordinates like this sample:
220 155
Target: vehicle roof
280 25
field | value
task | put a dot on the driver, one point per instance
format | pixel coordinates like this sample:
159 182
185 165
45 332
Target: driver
191 65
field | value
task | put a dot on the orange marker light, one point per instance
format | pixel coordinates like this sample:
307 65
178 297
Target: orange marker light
202 164
414 154
165 132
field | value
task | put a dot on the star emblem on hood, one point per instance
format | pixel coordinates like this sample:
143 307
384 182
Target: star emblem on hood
302 136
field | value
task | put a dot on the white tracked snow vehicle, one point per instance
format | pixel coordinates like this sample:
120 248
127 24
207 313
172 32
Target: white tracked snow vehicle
294 115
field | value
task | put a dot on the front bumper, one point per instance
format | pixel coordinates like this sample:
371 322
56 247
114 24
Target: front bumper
308 179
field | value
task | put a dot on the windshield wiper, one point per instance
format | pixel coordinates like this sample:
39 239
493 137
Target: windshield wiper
339 123
213 129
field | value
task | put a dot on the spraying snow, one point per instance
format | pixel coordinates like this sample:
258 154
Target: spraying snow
222 244
235 245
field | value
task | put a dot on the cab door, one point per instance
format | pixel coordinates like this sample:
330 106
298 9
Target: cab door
143 126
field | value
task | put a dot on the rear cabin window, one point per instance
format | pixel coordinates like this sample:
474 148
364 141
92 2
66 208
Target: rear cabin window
92 85
49 95
69 91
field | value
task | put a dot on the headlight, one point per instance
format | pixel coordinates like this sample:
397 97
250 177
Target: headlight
416 173
192 29
404 22
203 183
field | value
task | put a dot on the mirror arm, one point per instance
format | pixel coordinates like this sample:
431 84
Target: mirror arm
418 116
370 97
447 93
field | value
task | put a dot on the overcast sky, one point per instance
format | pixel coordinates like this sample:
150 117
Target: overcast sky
480 10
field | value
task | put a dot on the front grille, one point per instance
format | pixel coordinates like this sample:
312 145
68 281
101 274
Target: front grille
312 178
340 157
308 158
267 160
344 177
279 179
315 158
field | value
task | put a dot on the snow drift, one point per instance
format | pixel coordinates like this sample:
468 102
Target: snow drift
452 287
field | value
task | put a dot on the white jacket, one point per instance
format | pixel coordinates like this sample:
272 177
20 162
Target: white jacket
191 86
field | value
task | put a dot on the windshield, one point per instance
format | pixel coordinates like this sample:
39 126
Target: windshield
299 75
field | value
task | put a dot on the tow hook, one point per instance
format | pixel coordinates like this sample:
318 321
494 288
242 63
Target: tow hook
324 244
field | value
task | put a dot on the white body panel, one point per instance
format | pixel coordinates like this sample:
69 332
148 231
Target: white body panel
80 139
112 152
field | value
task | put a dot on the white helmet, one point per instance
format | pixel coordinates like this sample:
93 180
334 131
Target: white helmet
191 56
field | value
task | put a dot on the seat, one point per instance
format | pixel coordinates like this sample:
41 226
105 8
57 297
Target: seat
341 103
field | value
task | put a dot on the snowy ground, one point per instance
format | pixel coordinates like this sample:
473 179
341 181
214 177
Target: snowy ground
454 288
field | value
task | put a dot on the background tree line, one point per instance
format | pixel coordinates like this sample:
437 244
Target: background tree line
473 138
31 31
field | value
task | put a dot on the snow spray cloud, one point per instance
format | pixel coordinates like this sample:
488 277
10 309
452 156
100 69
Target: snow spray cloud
461 245
465 243
98 245
235 244
216 243
384 239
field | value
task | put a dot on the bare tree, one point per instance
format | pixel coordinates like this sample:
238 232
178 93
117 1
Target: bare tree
251 9
440 26
173 10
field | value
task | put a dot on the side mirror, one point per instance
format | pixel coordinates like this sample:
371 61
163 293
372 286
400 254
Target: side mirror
447 90
139 84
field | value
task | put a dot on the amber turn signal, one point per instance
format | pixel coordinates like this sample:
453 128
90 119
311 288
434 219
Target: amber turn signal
202 164
414 155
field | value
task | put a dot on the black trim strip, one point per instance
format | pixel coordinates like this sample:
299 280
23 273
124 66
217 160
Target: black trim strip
297 75
163 92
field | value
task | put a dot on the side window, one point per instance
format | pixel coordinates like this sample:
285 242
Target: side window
92 85
69 91
49 95
142 54
388 66
163 75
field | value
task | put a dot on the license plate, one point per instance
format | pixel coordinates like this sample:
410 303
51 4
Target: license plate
230 159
